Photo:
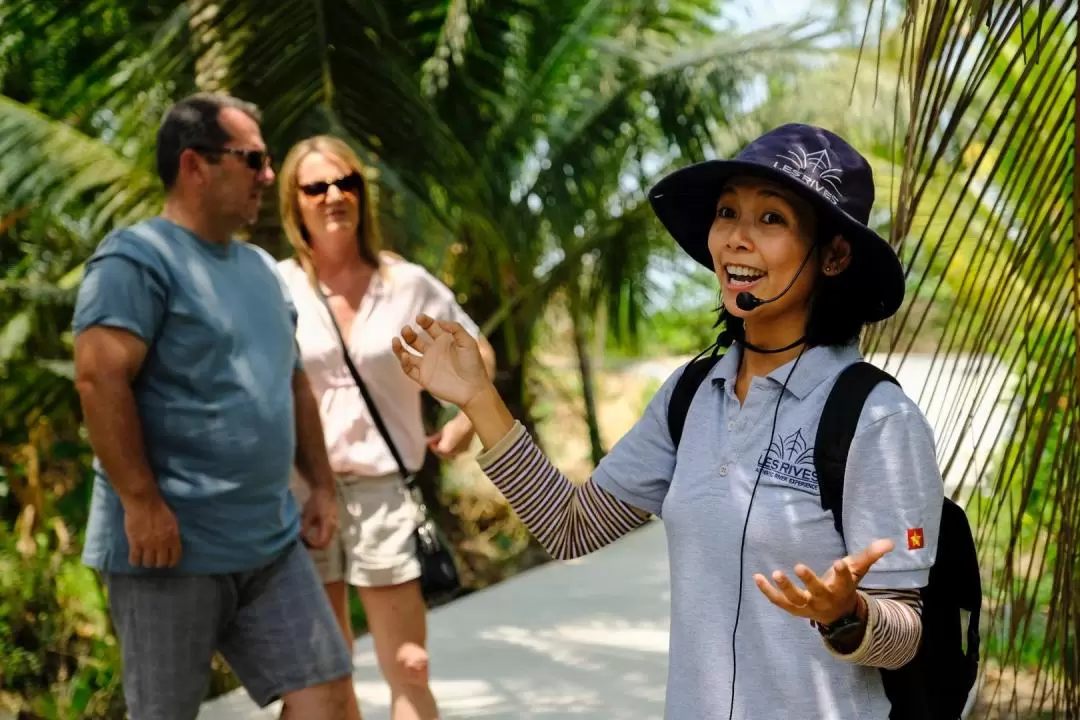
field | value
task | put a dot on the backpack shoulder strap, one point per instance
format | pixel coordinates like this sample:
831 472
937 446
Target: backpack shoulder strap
837 429
686 386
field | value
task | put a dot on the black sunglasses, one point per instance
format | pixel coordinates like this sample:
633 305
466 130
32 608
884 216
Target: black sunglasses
254 159
350 183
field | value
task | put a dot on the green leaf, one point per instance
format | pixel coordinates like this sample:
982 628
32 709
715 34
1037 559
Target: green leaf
14 334
987 215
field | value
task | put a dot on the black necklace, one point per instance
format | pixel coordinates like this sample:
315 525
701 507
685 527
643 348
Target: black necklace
749 345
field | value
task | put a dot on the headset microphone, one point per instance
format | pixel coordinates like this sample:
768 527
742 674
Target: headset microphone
747 301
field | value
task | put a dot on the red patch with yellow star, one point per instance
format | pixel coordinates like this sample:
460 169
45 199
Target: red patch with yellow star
915 539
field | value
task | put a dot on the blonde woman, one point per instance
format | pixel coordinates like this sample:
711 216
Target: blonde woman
339 276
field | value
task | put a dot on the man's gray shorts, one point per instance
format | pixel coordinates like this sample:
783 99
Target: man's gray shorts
274 626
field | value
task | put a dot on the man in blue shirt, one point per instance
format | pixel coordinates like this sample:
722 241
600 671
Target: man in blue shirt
198 409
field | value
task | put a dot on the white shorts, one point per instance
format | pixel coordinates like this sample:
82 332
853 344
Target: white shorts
374 544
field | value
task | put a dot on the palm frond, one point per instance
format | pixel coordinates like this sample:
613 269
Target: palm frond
340 61
566 268
472 110
52 167
450 47
555 49
994 112
690 89
29 324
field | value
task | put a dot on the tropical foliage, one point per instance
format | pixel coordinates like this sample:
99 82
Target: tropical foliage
991 92
513 142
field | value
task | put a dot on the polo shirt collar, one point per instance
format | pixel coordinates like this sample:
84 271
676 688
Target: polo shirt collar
817 364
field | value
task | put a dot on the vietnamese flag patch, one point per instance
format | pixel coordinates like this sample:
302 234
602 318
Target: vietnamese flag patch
915 539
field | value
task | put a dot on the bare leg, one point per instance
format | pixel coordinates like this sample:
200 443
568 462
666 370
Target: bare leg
397 620
338 593
332 701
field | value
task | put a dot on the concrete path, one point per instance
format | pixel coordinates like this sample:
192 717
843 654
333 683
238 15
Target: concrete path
584 639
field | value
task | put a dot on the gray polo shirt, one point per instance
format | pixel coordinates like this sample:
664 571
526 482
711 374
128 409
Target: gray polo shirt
893 489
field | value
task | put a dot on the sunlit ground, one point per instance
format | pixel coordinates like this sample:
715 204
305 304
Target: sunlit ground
582 639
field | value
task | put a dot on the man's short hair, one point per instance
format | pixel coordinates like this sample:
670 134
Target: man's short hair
194 122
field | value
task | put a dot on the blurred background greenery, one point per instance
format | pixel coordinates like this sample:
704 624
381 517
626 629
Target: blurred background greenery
515 141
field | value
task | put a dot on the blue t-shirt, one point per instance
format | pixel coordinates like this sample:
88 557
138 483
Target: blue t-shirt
214 393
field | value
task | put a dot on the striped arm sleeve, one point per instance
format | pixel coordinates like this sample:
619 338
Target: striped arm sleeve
568 520
893 630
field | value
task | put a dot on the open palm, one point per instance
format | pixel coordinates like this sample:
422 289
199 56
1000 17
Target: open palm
443 358
827 598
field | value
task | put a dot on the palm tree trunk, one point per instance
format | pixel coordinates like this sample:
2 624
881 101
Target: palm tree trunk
588 384
511 342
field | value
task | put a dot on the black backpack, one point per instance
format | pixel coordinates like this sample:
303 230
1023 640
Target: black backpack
936 683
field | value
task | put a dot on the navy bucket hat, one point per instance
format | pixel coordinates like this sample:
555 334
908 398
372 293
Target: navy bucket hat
818 166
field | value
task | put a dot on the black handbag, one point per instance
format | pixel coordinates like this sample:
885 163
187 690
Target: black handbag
439 576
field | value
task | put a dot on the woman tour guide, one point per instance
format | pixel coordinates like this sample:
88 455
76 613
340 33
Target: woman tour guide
770 615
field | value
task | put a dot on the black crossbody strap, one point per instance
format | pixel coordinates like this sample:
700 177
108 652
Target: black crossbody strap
379 425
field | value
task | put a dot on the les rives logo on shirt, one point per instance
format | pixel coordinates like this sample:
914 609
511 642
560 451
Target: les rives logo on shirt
791 461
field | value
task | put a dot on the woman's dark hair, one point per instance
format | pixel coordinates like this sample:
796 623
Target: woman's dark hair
835 318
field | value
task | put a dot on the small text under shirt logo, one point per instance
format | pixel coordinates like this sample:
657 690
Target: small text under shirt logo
791 461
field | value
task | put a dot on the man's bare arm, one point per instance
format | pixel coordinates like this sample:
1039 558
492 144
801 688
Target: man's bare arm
311 458
106 362
320 518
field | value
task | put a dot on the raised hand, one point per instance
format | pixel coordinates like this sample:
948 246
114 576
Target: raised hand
443 358
825 599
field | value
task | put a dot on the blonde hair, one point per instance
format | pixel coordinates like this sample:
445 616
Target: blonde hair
368 235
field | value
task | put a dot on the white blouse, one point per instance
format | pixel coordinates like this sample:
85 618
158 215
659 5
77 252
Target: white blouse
398 292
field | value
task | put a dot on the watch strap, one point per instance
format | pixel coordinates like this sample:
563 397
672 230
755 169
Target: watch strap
844 624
